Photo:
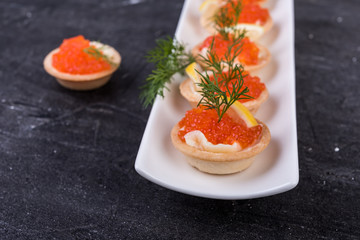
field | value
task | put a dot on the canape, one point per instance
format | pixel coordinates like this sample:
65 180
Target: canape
79 64
215 147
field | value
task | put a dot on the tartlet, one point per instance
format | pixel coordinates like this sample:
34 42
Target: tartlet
220 162
84 81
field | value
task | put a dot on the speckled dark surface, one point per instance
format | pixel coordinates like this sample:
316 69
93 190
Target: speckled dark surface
66 158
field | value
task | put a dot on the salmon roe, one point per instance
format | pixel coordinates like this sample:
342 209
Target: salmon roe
72 59
227 131
251 1
249 51
255 86
251 13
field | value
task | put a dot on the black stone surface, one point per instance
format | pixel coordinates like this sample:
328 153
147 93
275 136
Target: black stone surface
66 158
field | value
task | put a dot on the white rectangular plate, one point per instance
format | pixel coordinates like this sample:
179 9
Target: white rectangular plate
276 169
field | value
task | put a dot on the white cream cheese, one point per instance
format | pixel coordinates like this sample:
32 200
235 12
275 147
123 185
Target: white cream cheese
253 31
105 49
198 140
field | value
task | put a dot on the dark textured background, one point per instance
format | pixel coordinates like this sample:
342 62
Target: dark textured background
66 158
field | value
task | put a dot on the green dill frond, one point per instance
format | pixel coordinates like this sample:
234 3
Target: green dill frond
227 17
211 60
217 94
169 57
213 97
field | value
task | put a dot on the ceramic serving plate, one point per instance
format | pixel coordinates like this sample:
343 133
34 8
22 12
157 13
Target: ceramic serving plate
276 169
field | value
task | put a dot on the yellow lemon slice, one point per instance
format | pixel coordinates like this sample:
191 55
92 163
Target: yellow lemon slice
244 113
194 76
206 4
191 72
208 9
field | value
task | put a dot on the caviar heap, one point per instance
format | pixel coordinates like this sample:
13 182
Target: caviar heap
250 13
220 45
71 58
227 131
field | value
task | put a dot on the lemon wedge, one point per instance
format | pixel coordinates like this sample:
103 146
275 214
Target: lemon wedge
194 76
191 72
208 9
244 113
207 3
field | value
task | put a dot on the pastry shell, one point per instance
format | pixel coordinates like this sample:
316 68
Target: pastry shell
81 82
221 163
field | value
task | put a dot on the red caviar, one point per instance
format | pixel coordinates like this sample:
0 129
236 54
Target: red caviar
251 1
250 13
72 59
255 86
227 131
249 51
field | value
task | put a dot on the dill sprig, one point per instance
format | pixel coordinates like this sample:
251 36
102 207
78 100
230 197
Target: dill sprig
225 25
225 22
224 71
97 53
169 57
213 97
212 61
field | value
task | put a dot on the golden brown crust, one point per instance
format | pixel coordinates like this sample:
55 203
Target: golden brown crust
264 58
268 25
187 90
221 163
81 81
254 105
